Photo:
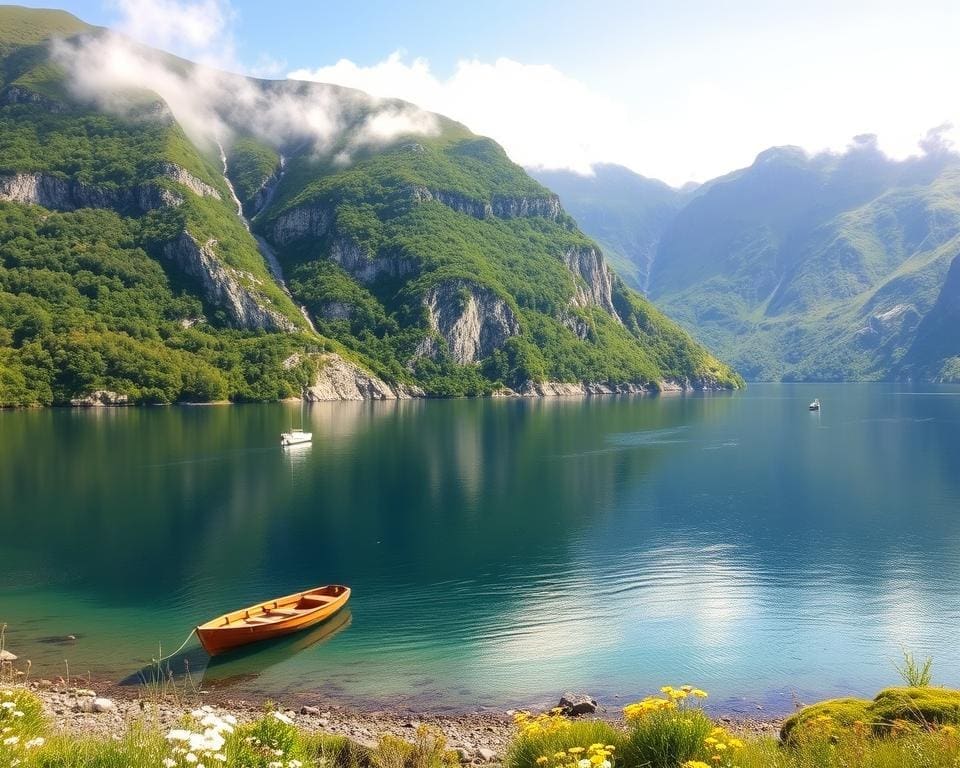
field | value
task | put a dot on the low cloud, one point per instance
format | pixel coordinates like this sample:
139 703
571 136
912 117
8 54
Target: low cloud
543 117
110 69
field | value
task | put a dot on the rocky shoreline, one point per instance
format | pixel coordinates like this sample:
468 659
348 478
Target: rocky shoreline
479 737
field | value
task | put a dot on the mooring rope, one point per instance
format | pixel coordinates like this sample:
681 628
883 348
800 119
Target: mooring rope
184 645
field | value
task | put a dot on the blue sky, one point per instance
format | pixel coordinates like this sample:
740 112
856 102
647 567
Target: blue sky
679 90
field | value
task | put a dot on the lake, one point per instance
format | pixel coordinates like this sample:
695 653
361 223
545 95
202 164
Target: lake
500 551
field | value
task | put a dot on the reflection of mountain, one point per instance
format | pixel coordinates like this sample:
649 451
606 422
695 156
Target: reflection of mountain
205 496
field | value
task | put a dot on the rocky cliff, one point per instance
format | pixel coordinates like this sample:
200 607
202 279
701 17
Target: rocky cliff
224 286
470 319
339 379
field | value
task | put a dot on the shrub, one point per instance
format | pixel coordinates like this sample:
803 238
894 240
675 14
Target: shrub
914 673
665 738
428 750
666 730
552 736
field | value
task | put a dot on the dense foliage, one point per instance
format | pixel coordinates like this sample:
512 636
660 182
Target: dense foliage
84 307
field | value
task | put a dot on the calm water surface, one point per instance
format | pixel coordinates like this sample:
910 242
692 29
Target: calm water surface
500 551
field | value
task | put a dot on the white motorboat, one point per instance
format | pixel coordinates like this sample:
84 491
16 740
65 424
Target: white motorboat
815 405
296 435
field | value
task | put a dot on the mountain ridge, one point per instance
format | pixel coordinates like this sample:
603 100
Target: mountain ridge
815 267
426 260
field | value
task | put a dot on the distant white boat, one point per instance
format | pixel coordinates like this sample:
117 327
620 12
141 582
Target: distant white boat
296 435
815 405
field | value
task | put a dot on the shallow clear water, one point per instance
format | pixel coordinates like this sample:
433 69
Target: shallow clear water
500 551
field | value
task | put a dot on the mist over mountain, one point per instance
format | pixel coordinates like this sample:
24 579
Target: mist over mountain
172 232
626 213
801 267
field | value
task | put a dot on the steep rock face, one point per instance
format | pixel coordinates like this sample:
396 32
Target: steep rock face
364 267
182 176
221 285
501 206
59 194
516 207
587 264
339 379
18 95
262 197
304 221
470 318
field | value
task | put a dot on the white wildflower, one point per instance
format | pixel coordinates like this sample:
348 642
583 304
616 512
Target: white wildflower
190 758
283 718
8 705
583 763
168 762
179 734
37 742
274 765
17 713
230 719
294 764
9 742
220 757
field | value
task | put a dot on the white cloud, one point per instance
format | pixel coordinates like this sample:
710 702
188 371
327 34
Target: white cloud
692 123
200 30
540 115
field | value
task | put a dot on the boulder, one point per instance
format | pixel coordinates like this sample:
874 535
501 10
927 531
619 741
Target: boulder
101 704
7 656
574 704
487 755
305 710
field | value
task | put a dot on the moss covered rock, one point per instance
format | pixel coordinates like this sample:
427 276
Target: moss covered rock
843 712
927 705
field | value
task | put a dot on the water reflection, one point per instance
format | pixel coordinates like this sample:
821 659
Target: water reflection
502 550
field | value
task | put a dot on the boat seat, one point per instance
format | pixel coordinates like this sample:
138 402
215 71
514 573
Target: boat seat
255 621
279 612
317 599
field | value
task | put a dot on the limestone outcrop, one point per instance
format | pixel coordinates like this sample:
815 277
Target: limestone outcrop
471 319
339 379
225 286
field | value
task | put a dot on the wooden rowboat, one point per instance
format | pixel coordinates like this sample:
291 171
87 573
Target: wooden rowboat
272 618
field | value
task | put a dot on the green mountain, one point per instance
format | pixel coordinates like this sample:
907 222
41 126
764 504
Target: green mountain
626 213
245 239
826 267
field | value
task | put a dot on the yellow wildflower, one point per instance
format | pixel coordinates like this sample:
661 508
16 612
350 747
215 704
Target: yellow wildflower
543 760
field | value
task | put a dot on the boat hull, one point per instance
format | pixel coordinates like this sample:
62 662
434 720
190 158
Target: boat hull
272 619
296 438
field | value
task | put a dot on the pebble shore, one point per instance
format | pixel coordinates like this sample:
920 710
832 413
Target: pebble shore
479 737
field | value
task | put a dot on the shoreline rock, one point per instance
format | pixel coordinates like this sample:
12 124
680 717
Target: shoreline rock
74 711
